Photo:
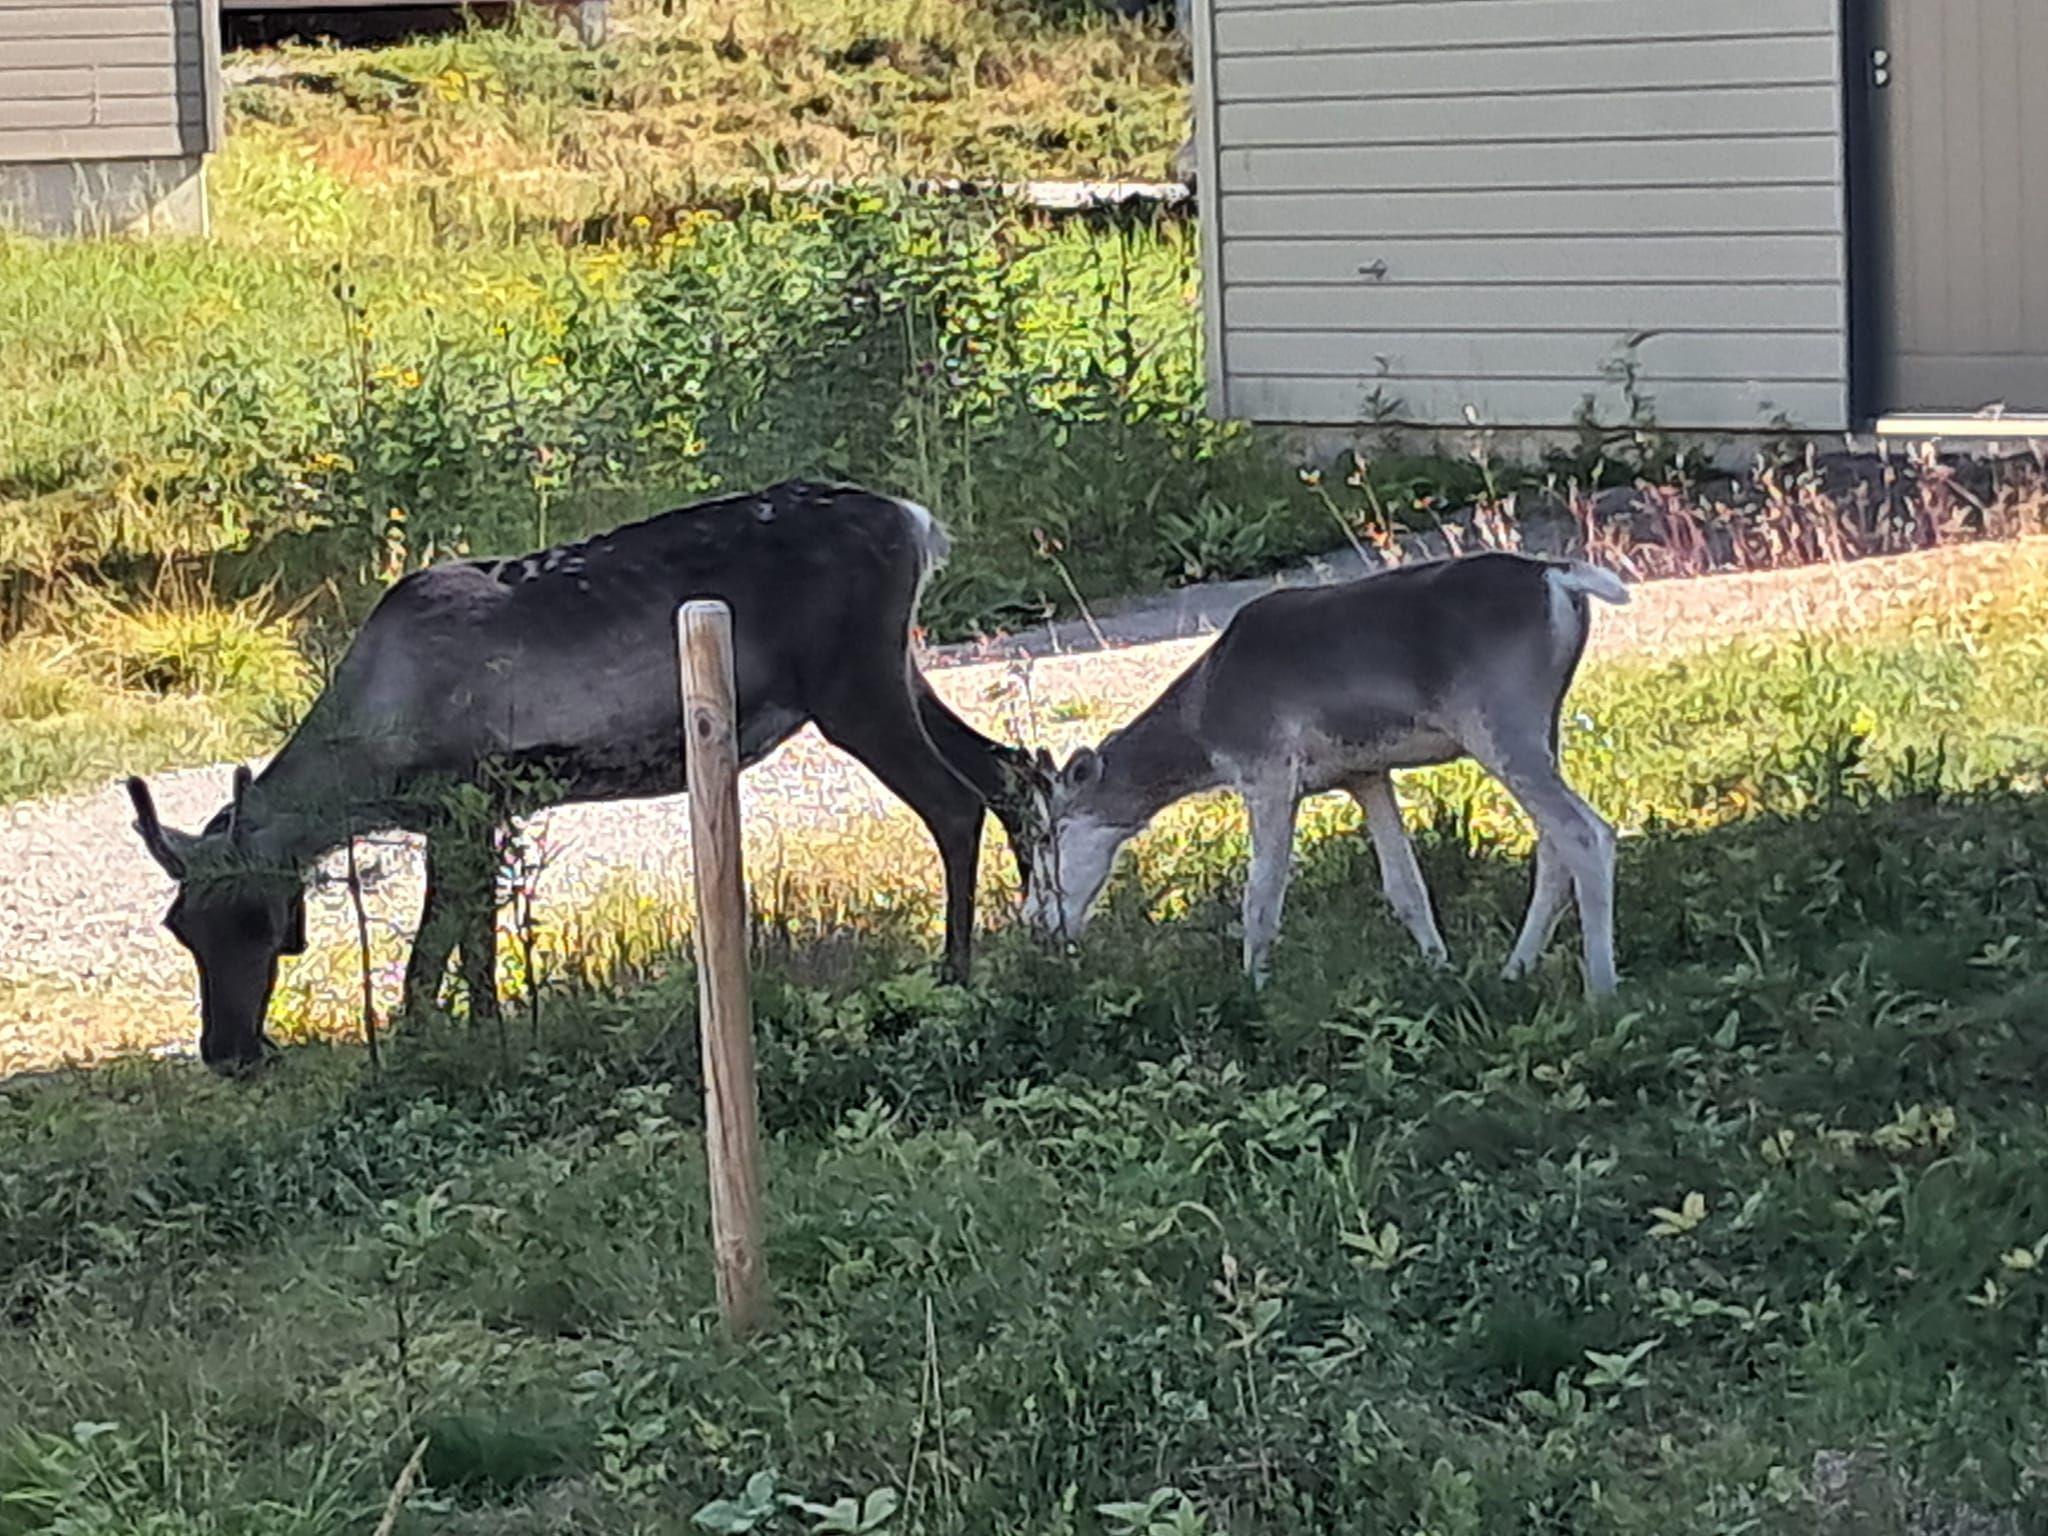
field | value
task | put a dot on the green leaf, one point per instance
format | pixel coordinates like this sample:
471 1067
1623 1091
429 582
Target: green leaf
726 1517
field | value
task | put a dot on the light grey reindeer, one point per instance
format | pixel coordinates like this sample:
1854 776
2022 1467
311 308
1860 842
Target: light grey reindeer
564 663
1325 688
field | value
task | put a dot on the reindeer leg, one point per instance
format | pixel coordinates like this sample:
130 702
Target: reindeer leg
480 959
1400 874
886 735
1581 842
1273 808
1546 904
471 869
434 940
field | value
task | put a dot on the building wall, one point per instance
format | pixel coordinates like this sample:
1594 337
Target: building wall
1416 207
105 197
106 108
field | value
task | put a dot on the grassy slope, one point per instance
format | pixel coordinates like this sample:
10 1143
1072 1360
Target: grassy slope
182 402
1377 1251
691 95
448 170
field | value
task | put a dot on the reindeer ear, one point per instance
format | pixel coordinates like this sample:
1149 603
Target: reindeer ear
295 926
243 779
160 841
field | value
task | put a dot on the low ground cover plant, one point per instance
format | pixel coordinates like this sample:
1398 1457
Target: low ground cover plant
1113 1244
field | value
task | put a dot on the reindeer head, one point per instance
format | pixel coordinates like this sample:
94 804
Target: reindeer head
1019 805
235 912
1077 847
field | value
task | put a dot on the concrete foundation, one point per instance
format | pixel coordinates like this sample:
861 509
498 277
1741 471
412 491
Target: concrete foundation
105 197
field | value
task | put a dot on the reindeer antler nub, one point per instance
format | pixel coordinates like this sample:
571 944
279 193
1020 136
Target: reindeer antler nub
243 779
151 828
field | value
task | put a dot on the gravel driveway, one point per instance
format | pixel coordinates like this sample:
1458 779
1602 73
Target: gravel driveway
86 970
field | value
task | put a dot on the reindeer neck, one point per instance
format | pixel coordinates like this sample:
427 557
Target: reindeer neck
1155 760
307 802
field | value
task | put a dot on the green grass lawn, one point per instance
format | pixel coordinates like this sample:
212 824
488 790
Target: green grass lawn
490 291
1113 1245
484 293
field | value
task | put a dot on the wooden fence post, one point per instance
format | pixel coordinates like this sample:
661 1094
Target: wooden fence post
732 1137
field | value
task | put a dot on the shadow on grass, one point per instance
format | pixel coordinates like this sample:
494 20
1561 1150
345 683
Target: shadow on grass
1882 952
1143 1226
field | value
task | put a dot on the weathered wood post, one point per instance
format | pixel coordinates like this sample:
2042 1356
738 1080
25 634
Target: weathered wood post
732 1137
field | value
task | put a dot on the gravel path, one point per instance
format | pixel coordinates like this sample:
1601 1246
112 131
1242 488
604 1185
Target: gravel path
85 969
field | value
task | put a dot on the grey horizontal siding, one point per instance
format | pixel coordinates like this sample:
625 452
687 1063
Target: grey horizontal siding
1479 199
1703 406
1788 158
1805 357
45 25
103 80
1739 308
73 113
1430 26
152 51
1713 110
1531 260
1673 64
1618 212
59 82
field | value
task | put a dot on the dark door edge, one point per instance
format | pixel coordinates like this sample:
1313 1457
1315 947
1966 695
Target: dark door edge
1866 209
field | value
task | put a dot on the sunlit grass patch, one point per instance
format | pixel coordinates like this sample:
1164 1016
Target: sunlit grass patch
508 125
106 688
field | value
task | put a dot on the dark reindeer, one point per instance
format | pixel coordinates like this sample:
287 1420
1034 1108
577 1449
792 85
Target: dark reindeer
563 664
1334 688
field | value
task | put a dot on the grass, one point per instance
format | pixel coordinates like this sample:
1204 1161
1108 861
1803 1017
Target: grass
468 293
1107 1245
1114 1245
167 386
145 687
262 421
686 97
483 293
